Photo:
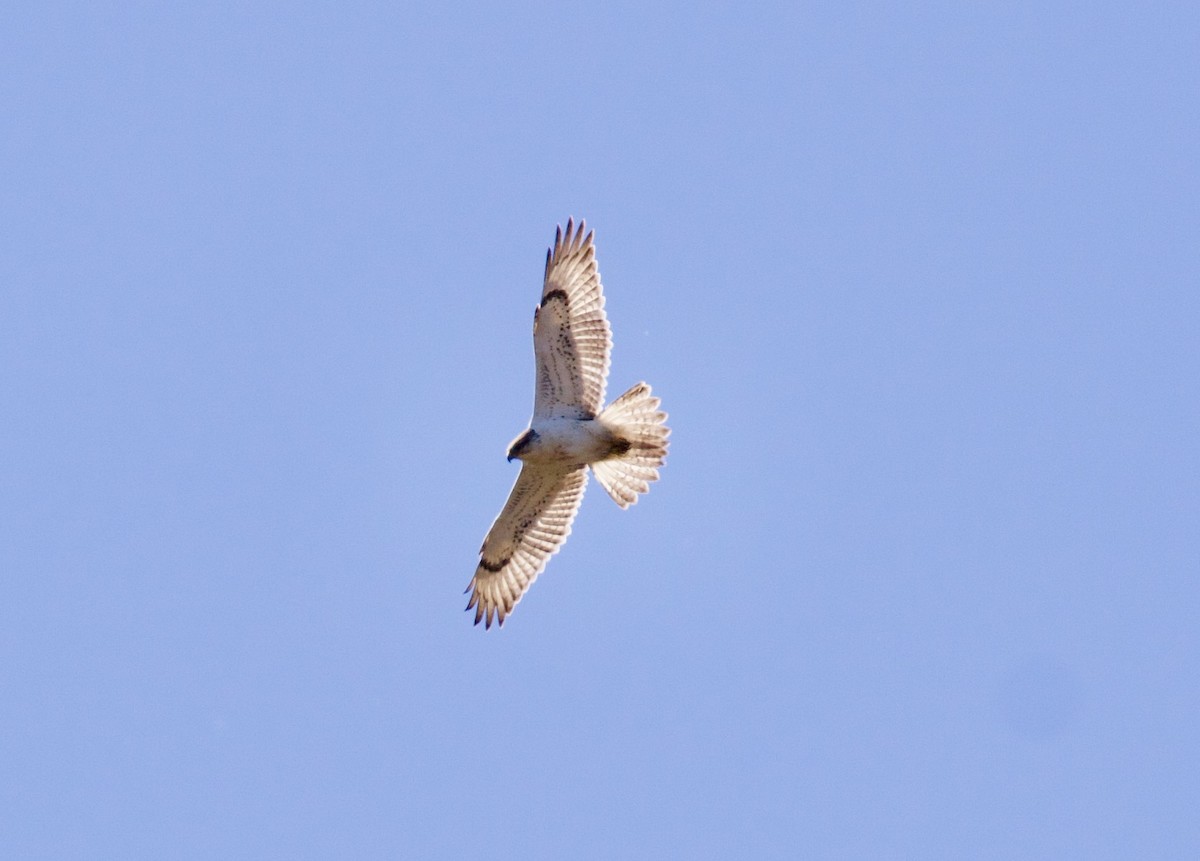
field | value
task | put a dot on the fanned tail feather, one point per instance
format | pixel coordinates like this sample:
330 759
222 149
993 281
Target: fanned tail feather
635 419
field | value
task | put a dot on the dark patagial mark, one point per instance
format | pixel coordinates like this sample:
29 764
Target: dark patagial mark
555 294
492 566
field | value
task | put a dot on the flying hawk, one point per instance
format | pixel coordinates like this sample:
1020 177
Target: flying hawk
571 430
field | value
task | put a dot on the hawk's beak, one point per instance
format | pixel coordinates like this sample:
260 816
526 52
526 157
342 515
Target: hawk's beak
510 458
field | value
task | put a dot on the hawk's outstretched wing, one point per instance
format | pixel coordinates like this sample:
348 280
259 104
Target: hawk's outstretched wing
535 522
571 338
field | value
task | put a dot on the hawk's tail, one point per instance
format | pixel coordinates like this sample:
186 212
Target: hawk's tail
641 446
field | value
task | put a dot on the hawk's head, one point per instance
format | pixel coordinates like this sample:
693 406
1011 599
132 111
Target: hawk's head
520 444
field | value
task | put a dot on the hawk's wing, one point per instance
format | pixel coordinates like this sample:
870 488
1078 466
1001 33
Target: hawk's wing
571 338
535 522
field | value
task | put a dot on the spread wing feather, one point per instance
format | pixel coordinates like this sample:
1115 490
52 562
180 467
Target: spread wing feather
571 337
535 522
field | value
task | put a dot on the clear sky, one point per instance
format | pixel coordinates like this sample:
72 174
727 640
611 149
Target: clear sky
919 285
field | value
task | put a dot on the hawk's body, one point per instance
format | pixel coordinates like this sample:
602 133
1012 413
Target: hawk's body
571 430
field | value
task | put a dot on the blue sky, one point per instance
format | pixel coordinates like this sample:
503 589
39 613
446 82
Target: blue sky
918 285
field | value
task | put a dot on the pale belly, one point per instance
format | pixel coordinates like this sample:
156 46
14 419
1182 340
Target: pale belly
569 441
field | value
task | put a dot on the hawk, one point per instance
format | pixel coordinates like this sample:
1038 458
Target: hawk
571 431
